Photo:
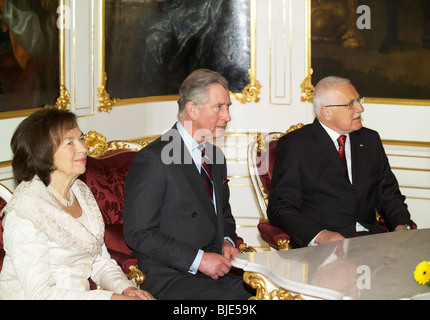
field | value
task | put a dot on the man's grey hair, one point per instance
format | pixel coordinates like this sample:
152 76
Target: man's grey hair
195 88
322 92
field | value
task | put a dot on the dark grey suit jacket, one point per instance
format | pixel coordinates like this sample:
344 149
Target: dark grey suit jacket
310 190
168 215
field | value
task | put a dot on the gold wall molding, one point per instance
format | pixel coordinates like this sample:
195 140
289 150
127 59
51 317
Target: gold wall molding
406 143
6 164
252 90
410 169
306 84
104 99
63 101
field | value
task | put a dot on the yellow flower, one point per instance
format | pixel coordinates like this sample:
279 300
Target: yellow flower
422 272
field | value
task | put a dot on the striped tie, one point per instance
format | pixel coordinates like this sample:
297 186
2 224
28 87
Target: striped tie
206 173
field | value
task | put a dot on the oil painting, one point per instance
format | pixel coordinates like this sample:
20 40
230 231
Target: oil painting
29 55
382 46
152 45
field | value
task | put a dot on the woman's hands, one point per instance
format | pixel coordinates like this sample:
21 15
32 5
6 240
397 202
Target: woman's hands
132 293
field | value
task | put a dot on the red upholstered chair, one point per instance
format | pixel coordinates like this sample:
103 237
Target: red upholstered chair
107 167
261 156
5 195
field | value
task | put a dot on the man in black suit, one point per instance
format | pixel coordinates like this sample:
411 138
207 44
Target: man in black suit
180 226
324 189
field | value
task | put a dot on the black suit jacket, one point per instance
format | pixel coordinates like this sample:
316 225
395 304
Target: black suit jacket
168 215
310 190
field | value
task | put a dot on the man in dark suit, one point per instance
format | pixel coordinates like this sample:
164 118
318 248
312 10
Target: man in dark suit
324 189
180 226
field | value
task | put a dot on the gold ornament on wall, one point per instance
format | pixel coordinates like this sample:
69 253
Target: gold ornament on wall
105 101
63 101
250 92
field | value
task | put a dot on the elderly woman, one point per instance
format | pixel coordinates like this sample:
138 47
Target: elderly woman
53 228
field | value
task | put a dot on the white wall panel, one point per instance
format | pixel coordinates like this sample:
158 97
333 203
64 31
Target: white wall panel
280 51
81 45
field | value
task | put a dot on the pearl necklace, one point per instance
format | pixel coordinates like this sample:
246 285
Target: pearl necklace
64 202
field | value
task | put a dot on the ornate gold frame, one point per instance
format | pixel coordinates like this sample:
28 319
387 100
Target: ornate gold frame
350 37
63 101
249 93
259 283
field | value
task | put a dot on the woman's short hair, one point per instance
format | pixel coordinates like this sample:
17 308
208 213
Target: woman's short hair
195 87
36 140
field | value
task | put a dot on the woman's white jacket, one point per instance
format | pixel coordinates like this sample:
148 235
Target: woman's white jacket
50 254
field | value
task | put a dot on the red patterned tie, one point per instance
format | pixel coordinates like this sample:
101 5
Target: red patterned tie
206 173
341 141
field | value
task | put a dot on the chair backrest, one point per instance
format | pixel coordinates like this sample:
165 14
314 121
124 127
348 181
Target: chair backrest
5 196
105 176
261 157
107 167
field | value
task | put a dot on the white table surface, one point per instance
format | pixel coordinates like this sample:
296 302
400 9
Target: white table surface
371 267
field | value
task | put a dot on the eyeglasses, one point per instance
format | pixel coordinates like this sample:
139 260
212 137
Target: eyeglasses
352 105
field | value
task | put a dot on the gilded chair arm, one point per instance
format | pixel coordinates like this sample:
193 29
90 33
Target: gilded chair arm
244 248
276 237
128 264
135 275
